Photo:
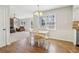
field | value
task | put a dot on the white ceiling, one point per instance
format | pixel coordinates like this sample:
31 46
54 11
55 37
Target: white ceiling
25 11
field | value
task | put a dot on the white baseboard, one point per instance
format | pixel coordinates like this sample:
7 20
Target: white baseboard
8 43
2 45
61 39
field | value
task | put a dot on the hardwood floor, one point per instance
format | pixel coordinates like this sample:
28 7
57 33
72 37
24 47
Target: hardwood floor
56 46
64 46
21 45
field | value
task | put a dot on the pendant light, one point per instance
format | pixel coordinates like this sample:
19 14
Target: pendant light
38 12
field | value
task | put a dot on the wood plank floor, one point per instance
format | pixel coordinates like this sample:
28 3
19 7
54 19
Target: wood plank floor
56 46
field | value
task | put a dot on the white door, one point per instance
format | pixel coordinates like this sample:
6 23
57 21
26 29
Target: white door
2 26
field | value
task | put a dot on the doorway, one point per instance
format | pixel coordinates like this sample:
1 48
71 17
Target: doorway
19 34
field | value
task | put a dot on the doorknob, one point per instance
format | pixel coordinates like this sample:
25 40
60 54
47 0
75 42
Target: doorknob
4 29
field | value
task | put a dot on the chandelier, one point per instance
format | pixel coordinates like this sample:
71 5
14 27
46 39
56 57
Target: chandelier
38 12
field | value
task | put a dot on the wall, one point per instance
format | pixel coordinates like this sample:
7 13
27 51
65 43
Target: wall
64 17
76 13
21 11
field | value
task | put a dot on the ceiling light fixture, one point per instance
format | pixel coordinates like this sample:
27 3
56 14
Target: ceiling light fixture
38 12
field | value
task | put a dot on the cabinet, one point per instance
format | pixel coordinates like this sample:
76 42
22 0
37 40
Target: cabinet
77 38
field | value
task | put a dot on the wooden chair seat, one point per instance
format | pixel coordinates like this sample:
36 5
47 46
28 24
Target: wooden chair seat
39 39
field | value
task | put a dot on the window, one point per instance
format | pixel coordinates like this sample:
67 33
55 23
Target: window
42 21
48 22
51 22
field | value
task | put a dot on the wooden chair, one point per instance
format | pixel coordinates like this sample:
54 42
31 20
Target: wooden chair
40 39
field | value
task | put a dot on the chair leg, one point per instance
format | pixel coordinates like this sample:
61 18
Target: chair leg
46 44
38 43
32 41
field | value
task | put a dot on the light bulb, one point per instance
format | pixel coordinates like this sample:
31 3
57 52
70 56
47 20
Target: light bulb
38 13
41 13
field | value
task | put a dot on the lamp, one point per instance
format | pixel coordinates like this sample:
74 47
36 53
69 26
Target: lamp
38 12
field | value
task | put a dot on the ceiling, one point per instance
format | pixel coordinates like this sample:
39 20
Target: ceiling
25 11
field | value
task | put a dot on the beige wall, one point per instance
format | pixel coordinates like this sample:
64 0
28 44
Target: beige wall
76 12
64 17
